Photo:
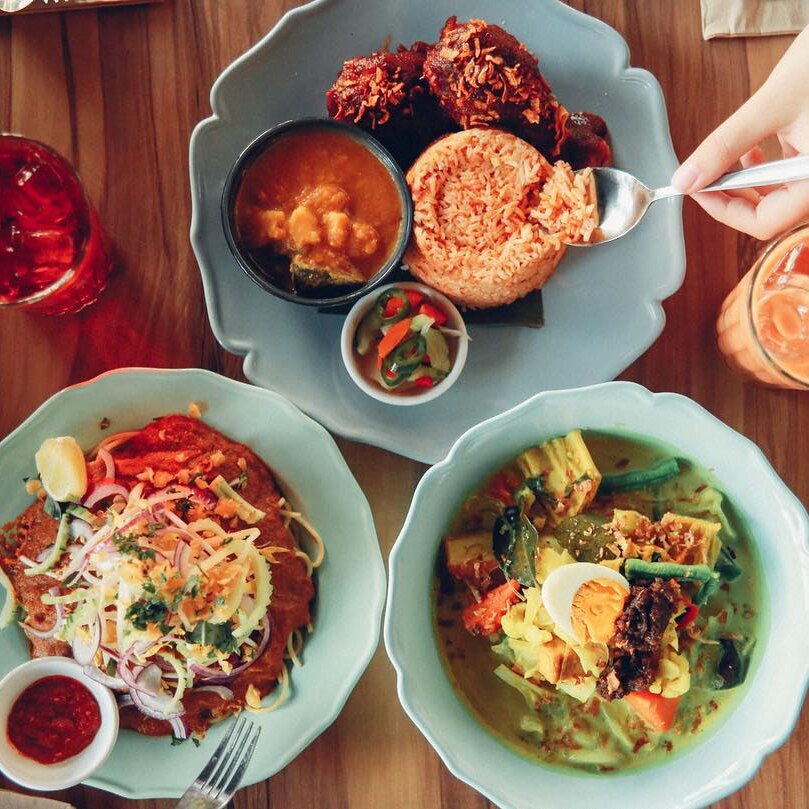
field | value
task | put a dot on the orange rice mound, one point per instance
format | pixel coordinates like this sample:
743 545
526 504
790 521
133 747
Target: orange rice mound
492 216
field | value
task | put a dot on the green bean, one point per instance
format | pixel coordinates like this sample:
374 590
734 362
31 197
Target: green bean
638 569
640 478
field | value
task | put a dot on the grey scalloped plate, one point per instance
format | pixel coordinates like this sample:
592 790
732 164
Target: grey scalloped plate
603 305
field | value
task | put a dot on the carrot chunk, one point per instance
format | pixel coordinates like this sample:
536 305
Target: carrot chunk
484 617
658 712
395 334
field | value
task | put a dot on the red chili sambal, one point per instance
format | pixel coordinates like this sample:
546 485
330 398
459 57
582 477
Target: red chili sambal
53 719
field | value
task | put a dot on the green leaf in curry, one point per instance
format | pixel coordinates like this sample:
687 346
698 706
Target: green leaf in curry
514 541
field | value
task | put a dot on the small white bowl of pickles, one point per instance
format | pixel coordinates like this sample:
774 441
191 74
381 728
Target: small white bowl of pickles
404 344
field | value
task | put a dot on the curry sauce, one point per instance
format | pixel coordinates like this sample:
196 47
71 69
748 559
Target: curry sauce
318 209
599 734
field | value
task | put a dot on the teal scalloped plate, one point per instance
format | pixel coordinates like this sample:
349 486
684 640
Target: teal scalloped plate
310 468
724 758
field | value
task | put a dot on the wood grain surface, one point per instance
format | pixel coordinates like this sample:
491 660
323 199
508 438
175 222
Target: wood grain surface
118 91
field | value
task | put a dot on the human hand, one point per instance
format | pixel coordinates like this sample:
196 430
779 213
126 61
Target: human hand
780 107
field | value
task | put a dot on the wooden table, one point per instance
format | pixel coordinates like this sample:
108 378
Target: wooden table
119 91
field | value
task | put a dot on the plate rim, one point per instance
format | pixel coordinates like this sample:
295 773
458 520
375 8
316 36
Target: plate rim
376 592
355 431
719 787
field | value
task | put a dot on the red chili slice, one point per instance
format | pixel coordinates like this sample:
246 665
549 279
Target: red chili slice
414 297
392 306
689 616
434 312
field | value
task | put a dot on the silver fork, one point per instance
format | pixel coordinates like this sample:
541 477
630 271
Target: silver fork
221 776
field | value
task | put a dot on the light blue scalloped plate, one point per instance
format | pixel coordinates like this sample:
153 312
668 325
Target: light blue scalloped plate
727 756
602 307
311 470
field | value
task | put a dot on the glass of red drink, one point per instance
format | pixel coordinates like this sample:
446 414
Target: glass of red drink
54 257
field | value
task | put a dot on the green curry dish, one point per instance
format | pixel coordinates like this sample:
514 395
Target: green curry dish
681 644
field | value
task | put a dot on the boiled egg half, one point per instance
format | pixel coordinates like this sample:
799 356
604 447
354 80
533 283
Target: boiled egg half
584 600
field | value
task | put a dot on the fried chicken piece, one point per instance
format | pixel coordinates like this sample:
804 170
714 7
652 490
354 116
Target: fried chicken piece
586 141
384 94
483 76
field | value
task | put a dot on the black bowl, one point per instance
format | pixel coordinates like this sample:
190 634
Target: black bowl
245 161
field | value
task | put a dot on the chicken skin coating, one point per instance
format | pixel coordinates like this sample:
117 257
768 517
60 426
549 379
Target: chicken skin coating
483 76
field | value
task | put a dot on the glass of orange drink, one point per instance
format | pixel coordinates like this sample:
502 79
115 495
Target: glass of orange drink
763 326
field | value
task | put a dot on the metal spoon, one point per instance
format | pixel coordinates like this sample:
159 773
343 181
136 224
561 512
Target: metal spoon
623 199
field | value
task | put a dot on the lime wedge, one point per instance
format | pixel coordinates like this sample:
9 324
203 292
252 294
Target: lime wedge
60 463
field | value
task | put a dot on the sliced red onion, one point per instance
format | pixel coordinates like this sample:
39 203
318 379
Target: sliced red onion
156 705
124 672
211 676
148 681
179 550
223 691
80 528
178 728
207 547
109 463
84 651
178 493
79 560
89 577
115 683
43 555
102 490
182 558
60 619
144 645
205 497
26 561
137 515
172 517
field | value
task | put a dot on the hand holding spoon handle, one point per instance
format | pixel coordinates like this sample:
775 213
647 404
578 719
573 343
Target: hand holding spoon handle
777 172
788 170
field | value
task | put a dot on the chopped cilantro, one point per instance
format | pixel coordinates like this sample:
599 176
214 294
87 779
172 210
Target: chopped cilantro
128 544
242 481
183 506
190 588
220 636
112 668
150 610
